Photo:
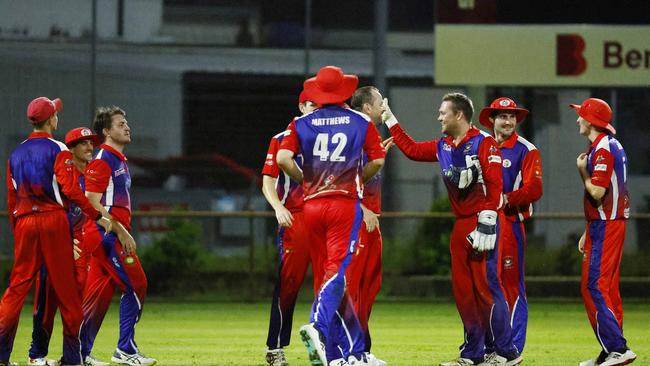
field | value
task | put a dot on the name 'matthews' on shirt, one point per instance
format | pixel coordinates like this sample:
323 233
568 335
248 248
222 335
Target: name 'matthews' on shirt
343 120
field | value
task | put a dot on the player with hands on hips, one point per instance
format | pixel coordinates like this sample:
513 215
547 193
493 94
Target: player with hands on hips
603 171
474 241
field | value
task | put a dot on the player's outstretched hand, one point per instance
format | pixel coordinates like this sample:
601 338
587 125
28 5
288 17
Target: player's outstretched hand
387 117
484 237
284 216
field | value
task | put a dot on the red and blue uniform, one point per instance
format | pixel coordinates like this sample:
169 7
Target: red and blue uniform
331 141
294 251
365 270
39 189
605 235
108 174
475 282
522 185
45 300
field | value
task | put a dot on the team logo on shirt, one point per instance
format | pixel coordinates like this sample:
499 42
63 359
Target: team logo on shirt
446 147
68 162
507 163
508 262
329 180
120 172
468 147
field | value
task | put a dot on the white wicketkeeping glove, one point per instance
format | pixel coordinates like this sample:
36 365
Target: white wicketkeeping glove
464 177
387 117
484 237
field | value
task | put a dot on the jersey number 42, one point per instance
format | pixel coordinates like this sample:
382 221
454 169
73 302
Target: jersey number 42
322 147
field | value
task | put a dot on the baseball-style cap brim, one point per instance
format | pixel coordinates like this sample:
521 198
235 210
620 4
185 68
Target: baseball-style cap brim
42 108
593 119
486 113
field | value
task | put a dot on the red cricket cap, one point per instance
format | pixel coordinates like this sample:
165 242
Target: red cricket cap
303 96
81 133
597 112
330 86
42 108
501 104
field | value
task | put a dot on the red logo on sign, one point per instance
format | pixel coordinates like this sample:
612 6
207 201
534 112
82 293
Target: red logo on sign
569 59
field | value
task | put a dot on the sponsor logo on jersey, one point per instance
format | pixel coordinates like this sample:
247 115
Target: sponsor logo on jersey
493 149
68 162
600 158
120 172
494 159
468 147
600 167
329 180
446 147
507 163
352 246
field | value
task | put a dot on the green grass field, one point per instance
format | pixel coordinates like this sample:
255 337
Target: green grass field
404 334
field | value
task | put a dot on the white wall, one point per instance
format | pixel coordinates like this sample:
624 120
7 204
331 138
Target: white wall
142 18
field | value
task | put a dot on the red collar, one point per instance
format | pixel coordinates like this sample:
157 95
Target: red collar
510 142
473 131
39 134
597 140
113 151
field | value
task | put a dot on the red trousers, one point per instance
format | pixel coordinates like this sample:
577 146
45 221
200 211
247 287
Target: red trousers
46 303
43 239
295 252
110 267
600 282
478 292
364 276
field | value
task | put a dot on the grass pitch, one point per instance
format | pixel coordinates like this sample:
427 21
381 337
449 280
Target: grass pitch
404 334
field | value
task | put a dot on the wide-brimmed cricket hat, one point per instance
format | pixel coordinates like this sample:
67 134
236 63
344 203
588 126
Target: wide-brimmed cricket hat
42 108
330 86
501 104
597 112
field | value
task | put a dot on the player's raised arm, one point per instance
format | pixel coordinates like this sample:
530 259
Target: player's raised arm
418 151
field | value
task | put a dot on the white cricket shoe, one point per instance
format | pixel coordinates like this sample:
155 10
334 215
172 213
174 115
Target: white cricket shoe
358 360
93 361
616 358
275 357
374 361
496 359
595 361
136 359
314 343
339 362
41 361
460 361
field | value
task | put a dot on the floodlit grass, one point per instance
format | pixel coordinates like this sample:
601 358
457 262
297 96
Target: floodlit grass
404 334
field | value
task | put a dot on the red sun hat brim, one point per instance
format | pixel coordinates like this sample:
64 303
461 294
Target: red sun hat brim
330 86
592 119
486 113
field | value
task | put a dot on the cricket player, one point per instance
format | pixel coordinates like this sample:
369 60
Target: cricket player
522 185
364 273
80 141
114 261
295 251
474 242
603 170
40 187
331 140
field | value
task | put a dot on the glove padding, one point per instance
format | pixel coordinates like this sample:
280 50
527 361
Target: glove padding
464 177
484 237
387 117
